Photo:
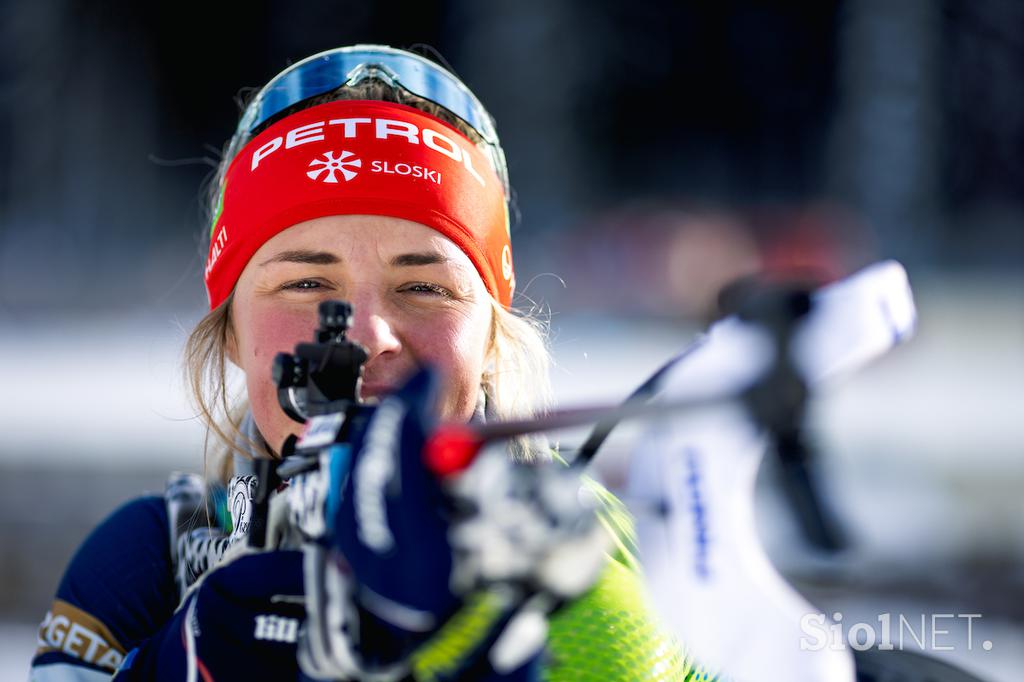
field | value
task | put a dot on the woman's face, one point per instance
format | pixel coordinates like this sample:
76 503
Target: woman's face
417 300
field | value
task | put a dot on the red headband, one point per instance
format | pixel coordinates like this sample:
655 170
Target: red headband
361 157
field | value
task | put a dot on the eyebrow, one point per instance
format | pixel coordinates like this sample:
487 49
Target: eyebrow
327 258
424 258
303 256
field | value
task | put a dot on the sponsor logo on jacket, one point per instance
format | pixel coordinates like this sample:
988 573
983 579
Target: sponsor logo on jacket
70 630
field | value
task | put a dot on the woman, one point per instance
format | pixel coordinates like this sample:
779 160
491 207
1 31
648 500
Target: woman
371 175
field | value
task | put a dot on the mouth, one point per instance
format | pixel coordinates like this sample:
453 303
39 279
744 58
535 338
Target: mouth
371 394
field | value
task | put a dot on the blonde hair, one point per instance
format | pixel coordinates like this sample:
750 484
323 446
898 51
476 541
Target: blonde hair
515 382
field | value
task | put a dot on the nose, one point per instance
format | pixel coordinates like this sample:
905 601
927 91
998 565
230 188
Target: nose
373 329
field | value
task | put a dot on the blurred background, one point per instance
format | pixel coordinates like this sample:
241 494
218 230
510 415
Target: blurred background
658 150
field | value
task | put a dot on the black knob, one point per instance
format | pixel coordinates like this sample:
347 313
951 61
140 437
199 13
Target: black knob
335 316
289 370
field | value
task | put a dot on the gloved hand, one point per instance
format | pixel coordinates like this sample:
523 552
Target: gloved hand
240 622
423 577
383 565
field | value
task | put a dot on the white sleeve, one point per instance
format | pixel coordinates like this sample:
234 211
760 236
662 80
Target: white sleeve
66 672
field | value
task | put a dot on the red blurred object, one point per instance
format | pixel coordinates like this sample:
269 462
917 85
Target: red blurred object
451 448
816 244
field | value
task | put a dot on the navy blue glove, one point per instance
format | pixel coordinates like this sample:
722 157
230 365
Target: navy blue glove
240 622
390 522
379 581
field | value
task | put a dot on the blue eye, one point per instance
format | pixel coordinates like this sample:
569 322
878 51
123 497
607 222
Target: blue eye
427 288
303 284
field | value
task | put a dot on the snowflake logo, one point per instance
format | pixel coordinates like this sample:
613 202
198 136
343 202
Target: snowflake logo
331 164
